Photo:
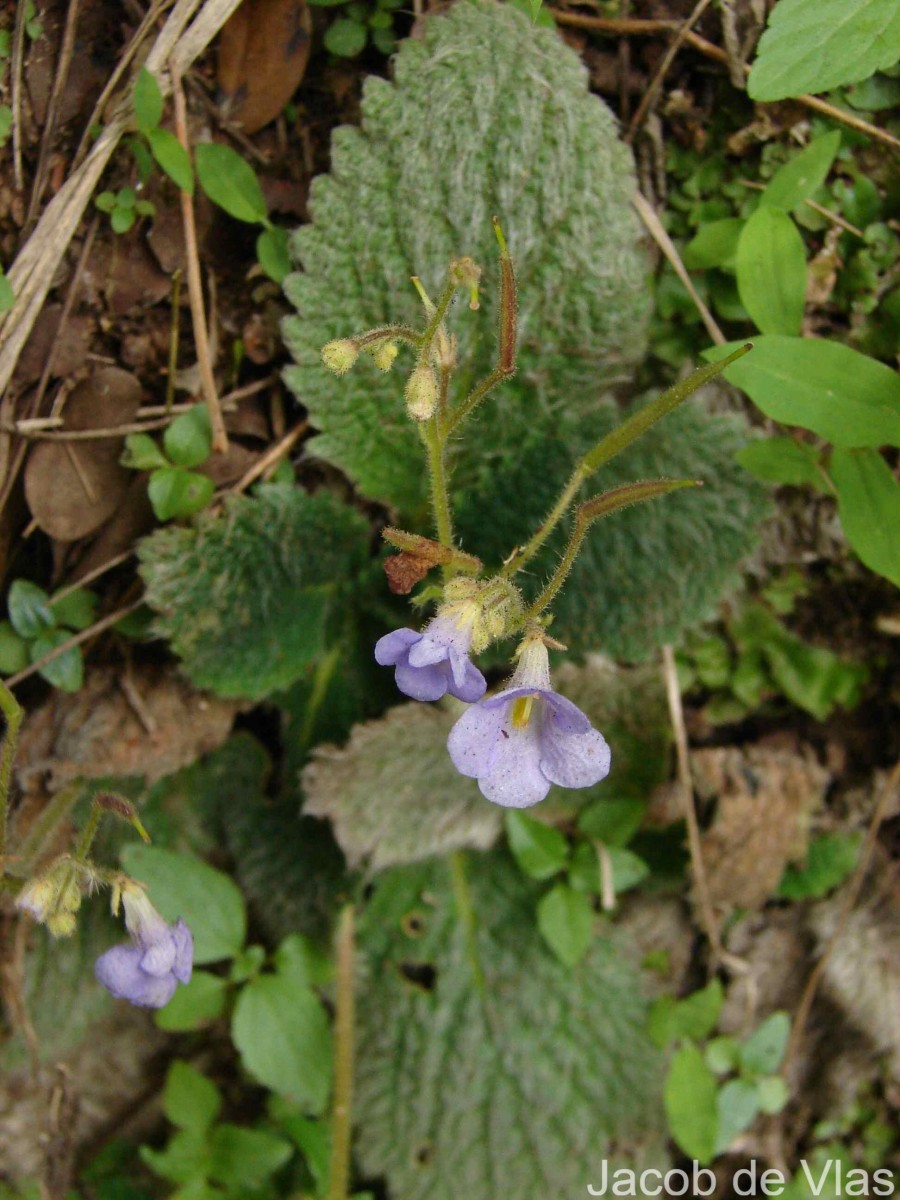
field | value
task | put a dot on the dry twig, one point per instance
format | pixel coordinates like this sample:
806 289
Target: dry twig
652 89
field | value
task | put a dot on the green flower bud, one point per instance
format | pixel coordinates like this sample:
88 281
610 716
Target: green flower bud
339 356
384 354
422 393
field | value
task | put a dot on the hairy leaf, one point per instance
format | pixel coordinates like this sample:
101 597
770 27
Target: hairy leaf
816 45
487 115
515 1090
244 596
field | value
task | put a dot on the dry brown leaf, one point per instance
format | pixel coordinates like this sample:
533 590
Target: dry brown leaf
70 346
263 52
764 796
97 731
73 487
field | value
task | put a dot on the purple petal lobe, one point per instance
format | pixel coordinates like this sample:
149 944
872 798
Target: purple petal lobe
421 683
184 952
426 652
119 971
159 959
391 648
472 740
566 716
574 760
473 684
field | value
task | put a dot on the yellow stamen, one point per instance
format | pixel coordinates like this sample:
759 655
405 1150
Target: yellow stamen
521 711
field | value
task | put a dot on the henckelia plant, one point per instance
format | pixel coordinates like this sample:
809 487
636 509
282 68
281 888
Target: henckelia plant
526 737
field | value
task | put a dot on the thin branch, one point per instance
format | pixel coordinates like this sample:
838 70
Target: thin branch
272 456
66 51
852 895
650 93
86 435
655 228
76 640
195 286
16 96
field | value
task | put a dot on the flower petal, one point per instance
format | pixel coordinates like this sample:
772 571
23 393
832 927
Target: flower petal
159 957
473 739
184 951
567 717
421 683
427 651
515 778
573 760
119 971
473 684
393 647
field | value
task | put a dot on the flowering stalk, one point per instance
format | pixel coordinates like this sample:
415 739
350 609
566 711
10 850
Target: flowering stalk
614 443
592 510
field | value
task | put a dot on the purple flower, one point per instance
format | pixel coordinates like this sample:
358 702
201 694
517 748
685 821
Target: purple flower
526 737
434 661
147 971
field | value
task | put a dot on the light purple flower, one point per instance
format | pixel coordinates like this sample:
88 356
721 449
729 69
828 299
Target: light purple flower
519 742
435 661
160 956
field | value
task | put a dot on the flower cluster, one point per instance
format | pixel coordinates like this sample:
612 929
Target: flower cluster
515 743
160 956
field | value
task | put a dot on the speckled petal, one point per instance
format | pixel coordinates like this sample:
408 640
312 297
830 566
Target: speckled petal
119 971
473 739
390 649
573 760
567 717
422 683
515 778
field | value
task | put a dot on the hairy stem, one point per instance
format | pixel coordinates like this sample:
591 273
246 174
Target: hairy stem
341 1113
435 444
13 715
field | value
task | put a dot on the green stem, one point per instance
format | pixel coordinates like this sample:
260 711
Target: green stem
13 714
437 316
589 512
403 333
463 899
557 512
476 396
83 846
440 497
341 1113
321 679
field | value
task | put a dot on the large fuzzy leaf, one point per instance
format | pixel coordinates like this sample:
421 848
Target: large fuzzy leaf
244 596
516 1089
487 115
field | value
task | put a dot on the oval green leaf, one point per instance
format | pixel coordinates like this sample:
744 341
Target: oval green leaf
841 395
798 179
771 271
148 101
869 508
175 492
690 1099
230 182
172 157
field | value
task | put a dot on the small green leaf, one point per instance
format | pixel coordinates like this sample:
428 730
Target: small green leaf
29 608
182 886
105 201
628 870
190 1100
195 1005
566 922
303 961
781 460
188 440
771 1094
771 271
345 37
803 175
284 1038
313 1138
173 158
13 650
66 671
737 1105
817 45
76 610
539 849
175 492
869 508
696 1016
272 252
763 1050
690 1100
230 181
184 1159
722 1054
121 219
844 396
714 244
246 964
829 860
141 453
148 101
613 822
584 869
245 1158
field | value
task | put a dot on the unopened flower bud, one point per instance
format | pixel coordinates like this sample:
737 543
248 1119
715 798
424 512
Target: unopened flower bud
339 356
54 897
384 354
422 393
465 272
